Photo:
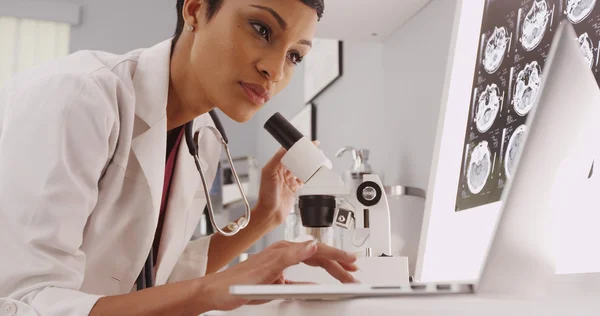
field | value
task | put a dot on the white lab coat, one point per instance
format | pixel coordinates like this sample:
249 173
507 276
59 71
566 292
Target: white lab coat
82 159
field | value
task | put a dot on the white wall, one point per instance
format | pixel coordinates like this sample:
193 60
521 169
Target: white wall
415 60
349 114
119 26
388 99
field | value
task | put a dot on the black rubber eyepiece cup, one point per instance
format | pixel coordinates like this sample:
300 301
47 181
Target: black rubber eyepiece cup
283 131
317 210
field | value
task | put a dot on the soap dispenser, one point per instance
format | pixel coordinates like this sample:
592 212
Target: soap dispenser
360 165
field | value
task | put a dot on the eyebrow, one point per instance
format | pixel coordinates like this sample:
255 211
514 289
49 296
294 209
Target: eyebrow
305 42
282 23
280 20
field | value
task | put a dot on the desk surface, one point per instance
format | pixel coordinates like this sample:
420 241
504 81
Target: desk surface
572 295
427 306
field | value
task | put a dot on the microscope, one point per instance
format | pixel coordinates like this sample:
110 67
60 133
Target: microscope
325 200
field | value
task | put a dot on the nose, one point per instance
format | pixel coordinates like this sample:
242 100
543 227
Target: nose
271 67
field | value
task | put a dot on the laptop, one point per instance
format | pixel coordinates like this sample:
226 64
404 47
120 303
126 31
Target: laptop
553 163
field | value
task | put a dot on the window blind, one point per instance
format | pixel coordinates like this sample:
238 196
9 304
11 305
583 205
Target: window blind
26 43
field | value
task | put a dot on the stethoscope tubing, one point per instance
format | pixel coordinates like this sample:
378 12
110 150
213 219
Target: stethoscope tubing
145 279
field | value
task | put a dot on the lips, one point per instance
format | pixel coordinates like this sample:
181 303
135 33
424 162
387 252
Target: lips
256 93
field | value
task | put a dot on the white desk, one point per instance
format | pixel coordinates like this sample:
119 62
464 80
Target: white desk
572 295
428 306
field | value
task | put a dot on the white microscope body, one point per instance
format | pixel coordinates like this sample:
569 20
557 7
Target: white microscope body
363 210
325 200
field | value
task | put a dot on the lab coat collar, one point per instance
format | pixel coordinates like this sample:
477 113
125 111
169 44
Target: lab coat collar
151 84
152 77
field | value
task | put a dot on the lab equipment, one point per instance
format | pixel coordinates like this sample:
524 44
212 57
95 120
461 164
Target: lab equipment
296 232
325 200
550 168
352 177
145 279
360 165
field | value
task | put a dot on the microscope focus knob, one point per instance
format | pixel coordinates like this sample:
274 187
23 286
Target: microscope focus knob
369 193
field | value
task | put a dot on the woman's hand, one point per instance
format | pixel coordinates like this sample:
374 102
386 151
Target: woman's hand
278 187
267 267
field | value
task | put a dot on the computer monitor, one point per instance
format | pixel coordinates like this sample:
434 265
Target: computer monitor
453 243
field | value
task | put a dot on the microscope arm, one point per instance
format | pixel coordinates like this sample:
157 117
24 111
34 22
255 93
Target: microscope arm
366 212
363 210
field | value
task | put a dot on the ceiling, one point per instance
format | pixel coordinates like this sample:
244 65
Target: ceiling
361 19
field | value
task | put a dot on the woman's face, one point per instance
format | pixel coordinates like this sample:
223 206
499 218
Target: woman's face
248 52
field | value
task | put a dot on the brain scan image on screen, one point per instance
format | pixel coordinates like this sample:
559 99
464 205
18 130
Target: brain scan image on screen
512 149
534 26
587 47
527 87
495 49
488 106
480 167
578 10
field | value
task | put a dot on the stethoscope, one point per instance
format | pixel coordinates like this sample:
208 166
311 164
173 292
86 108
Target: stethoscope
146 279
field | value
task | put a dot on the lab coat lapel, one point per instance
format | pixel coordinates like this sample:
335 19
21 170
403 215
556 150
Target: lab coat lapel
151 84
185 183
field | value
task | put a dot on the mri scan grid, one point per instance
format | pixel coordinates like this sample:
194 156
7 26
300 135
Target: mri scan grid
515 41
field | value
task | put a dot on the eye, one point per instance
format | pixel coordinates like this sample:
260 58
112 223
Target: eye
262 30
295 57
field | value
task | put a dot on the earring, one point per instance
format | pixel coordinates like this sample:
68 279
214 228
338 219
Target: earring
190 28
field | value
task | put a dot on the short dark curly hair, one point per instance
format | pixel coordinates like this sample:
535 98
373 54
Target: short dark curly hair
213 7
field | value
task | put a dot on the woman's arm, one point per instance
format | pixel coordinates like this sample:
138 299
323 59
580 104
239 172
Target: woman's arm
181 298
223 249
55 144
211 292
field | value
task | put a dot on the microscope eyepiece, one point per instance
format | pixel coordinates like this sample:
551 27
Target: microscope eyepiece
283 131
303 158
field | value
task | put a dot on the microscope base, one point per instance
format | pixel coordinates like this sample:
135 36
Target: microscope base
377 271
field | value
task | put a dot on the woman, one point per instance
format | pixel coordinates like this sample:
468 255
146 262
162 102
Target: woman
88 187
